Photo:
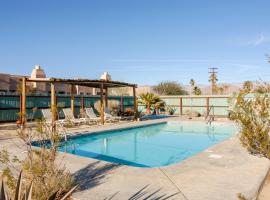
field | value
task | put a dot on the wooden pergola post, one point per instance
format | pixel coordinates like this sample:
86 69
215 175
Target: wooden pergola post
72 98
53 105
106 97
82 102
23 102
135 103
181 105
122 104
102 104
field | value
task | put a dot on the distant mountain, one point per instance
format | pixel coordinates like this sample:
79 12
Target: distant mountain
206 89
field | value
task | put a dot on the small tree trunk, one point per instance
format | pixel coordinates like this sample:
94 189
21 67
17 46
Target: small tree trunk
148 110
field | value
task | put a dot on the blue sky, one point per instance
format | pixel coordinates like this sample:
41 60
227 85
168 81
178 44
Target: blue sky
139 41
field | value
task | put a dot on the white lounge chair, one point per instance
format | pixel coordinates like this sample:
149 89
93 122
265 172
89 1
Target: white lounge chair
109 116
70 117
92 115
47 115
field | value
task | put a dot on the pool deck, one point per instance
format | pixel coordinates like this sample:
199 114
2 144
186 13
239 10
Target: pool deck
218 173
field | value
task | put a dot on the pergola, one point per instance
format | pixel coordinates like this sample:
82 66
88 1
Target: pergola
103 85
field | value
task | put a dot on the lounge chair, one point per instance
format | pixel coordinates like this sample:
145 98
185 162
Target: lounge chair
92 115
70 117
47 115
109 116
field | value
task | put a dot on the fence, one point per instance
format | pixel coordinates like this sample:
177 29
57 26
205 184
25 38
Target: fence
200 104
10 104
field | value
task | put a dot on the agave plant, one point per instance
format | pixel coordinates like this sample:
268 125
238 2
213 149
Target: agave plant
27 194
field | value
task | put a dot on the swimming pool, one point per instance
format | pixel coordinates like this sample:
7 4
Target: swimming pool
149 146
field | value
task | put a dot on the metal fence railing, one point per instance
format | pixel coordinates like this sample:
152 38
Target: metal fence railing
200 104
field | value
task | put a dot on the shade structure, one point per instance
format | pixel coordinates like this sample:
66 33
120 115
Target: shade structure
103 85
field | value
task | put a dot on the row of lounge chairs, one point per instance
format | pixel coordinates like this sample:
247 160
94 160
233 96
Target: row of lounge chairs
91 117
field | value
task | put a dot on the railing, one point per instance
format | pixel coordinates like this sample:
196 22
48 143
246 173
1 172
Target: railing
199 104
211 118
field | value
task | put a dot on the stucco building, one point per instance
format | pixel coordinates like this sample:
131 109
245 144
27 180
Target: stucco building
11 84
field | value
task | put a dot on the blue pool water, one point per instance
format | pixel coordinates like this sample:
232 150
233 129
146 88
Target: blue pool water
150 146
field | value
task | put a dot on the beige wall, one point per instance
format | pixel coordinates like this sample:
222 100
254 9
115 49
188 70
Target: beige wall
8 83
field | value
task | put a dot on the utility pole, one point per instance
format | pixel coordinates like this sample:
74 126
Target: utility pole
213 79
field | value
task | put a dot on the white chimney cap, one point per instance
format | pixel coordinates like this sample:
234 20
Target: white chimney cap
106 76
37 67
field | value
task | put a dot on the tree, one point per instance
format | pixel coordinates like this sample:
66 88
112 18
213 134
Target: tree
213 79
170 88
150 101
195 89
192 82
222 89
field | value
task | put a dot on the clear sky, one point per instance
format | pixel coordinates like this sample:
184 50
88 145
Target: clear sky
139 41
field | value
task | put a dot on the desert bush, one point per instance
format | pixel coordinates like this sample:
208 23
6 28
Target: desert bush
253 118
27 191
40 164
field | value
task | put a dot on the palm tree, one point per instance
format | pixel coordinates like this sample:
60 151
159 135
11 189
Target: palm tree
192 82
150 100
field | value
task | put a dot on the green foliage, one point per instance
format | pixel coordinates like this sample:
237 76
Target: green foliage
253 117
195 89
151 101
170 88
213 79
171 110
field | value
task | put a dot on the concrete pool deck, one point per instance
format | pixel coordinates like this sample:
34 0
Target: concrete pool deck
220 172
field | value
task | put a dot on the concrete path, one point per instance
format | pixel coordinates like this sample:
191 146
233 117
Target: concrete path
265 191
